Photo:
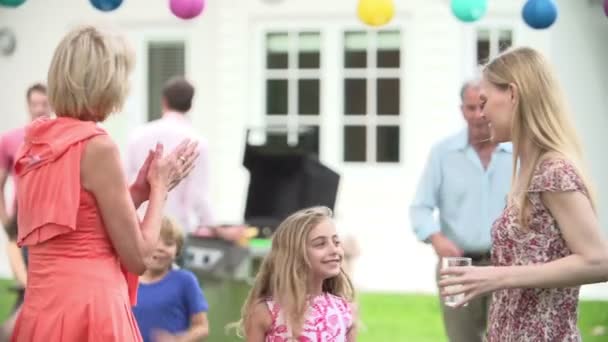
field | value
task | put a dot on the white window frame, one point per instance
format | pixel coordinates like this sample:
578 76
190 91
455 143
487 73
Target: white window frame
371 73
494 25
141 38
330 119
292 120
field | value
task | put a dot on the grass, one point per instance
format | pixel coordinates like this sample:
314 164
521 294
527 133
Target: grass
384 316
417 318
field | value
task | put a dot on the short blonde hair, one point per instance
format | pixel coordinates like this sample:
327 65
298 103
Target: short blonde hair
171 232
88 77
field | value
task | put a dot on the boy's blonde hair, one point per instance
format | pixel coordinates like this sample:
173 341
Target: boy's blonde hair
171 232
89 74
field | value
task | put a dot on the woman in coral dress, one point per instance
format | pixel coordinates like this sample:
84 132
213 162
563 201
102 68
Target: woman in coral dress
77 214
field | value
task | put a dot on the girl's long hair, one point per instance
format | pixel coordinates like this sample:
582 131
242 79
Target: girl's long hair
285 272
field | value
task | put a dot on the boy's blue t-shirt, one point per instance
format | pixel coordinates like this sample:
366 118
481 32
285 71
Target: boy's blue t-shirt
169 303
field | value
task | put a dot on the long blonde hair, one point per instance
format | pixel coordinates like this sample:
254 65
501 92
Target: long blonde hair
541 115
285 272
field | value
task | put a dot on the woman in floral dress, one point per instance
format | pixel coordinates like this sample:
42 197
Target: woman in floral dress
548 241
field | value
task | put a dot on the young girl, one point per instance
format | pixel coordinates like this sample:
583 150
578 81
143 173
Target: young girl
301 292
170 303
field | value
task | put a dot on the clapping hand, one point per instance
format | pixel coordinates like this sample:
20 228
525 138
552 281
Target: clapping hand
177 165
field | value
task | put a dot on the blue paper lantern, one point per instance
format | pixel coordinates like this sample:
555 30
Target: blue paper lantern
106 5
539 14
469 10
11 3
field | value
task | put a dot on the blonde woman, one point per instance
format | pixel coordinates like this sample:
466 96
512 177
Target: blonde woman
547 242
76 212
301 292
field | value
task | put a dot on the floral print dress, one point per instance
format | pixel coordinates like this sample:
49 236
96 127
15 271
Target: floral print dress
535 314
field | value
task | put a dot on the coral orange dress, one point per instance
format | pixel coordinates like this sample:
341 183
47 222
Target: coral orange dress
77 289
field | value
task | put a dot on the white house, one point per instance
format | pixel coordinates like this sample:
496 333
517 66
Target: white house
376 98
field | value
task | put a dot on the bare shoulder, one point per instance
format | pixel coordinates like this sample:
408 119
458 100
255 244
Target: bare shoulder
354 308
100 151
261 315
101 145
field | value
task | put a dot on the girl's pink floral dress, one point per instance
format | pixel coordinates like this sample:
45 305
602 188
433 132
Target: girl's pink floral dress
329 319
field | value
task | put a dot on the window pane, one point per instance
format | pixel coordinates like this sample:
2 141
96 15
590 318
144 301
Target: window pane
165 60
276 97
355 138
355 96
483 46
309 46
387 143
505 40
308 139
277 45
388 54
387 96
308 97
355 49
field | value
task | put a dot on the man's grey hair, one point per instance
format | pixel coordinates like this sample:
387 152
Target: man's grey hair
472 83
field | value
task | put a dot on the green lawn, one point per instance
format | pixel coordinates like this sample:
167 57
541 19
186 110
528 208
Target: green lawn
401 317
384 317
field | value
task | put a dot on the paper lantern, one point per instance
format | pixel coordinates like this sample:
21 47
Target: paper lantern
606 7
469 10
106 5
375 12
11 3
539 14
186 9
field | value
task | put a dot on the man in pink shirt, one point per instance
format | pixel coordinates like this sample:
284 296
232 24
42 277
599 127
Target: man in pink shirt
189 202
38 105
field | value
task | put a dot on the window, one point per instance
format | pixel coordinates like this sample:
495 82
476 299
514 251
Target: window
293 88
371 96
166 59
490 42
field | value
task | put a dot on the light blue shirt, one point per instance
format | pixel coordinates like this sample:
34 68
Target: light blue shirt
468 197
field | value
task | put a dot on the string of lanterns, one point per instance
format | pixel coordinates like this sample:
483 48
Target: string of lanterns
183 9
538 14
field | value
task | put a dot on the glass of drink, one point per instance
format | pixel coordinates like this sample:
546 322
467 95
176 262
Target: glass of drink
450 262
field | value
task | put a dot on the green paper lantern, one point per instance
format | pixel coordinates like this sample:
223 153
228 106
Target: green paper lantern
469 10
11 3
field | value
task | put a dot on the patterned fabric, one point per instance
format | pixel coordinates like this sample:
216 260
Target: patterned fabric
535 314
328 320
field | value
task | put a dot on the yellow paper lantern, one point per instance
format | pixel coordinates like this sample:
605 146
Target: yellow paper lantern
376 12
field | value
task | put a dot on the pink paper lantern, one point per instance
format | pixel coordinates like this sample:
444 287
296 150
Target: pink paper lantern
187 9
606 7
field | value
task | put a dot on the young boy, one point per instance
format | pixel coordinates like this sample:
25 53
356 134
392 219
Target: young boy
170 303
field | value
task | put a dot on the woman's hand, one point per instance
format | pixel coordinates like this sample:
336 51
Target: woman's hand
184 158
472 281
140 189
166 172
